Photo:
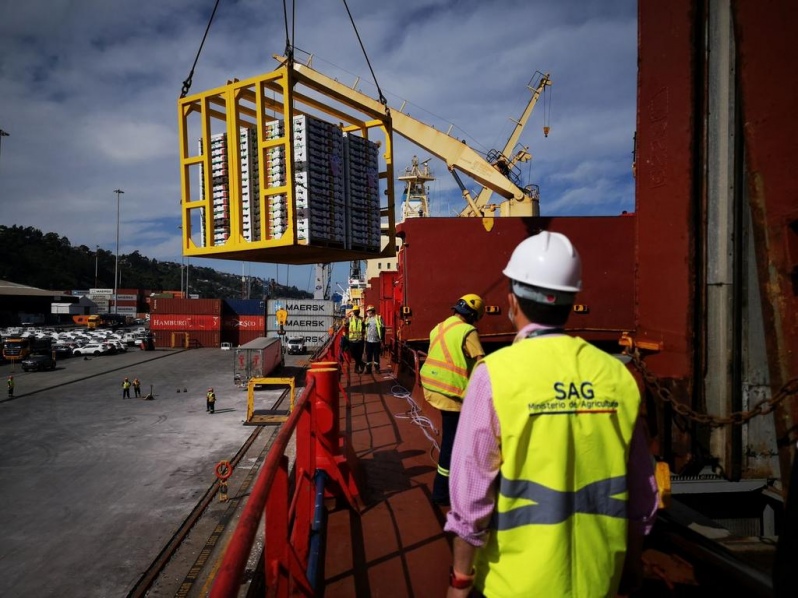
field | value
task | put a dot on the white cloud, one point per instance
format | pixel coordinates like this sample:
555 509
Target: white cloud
88 93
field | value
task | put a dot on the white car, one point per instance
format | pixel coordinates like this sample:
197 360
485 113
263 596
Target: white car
92 349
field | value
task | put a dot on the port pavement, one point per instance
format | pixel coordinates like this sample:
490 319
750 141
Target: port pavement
93 485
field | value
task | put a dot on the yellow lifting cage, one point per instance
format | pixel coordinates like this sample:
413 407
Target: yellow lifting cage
279 168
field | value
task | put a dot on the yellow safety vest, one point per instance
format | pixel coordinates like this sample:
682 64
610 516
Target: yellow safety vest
446 369
355 333
567 412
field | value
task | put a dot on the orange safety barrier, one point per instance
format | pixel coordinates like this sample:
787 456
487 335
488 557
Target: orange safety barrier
288 522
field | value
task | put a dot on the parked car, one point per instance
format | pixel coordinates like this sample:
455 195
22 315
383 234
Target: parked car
63 350
296 345
92 349
38 363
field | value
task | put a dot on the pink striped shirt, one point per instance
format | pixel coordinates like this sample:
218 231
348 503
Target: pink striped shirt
476 458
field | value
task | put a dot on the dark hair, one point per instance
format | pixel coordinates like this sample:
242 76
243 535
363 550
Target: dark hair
542 313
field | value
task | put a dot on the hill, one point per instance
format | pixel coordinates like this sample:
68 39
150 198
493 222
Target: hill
49 261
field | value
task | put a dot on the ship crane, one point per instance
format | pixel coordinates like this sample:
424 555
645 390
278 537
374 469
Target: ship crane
495 176
506 162
415 203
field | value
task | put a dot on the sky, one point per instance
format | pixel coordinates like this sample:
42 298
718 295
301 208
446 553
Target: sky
89 89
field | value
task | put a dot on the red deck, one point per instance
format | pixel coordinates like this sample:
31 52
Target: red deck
396 547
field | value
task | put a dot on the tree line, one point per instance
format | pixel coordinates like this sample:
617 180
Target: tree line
48 261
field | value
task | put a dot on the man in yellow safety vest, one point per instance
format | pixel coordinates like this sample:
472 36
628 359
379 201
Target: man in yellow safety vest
454 349
354 332
552 485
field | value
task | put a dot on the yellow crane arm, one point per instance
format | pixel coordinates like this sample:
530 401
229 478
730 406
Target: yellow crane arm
537 89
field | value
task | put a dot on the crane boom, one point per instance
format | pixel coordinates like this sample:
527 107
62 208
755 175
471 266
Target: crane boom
455 153
537 86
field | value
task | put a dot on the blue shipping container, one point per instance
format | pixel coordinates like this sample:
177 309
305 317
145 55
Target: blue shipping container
245 307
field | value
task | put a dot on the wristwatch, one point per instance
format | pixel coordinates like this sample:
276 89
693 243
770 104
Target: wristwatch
460 582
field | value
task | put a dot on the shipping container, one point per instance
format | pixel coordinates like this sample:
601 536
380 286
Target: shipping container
242 337
244 307
210 307
248 323
160 321
294 307
187 339
238 330
313 340
258 358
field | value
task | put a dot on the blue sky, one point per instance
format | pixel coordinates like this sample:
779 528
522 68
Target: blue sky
88 93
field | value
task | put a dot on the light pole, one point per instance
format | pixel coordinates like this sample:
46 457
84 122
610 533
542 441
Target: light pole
116 261
96 265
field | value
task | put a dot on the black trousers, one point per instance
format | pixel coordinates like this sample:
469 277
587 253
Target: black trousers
373 355
356 351
440 486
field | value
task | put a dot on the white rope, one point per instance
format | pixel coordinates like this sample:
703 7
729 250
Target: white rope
416 415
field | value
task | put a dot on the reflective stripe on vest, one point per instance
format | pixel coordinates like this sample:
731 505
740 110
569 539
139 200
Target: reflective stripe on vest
355 329
446 368
566 412
552 506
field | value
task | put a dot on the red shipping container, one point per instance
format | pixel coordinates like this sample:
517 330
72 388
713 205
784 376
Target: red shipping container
242 323
184 322
246 336
210 307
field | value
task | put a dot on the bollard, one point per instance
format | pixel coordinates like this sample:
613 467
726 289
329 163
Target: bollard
325 409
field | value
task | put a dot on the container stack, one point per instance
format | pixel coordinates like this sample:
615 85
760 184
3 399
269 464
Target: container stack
275 177
179 323
363 191
250 185
243 320
336 186
220 190
319 181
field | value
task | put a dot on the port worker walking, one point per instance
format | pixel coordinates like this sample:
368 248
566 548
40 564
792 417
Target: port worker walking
552 485
10 386
375 337
454 350
126 389
354 338
210 401
136 388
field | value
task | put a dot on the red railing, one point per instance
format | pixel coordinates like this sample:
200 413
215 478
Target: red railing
324 468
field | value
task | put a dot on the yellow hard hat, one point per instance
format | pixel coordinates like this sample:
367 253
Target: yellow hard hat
356 308
470 305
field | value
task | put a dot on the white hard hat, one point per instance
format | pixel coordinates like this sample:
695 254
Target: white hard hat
548 261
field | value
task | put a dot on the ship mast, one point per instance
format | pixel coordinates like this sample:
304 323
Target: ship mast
414 199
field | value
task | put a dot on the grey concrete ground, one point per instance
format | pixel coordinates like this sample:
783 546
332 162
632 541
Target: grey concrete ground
93 486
